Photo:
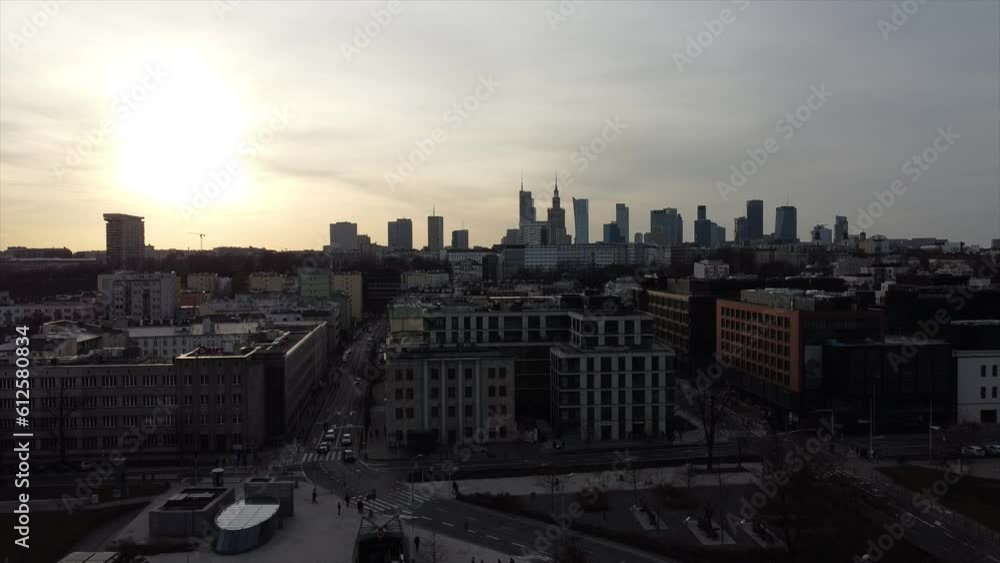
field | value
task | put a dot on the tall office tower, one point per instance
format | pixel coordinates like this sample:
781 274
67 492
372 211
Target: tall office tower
513 237
740 230
840 229
401 234
557 220
126 240
718 237
611 234
344 236
703 228
526 206
435 232
581 220
755 219
666 226
621 218
460 239
786 226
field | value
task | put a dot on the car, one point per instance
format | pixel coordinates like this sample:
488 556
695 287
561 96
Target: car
345 440
973 451
323 447
993 450
87 465
349 455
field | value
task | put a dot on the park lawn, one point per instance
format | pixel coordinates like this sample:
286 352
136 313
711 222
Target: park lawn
974 497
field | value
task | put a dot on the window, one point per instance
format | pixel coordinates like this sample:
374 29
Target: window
220 379
994 392
982 392
204 379
237 399
492 391
503 373
982 370
451 392
503 390
435 392
204 399
434 374
399 394
409 394
435 412
399 414
451 373
451 412
409 413
468 410
468 392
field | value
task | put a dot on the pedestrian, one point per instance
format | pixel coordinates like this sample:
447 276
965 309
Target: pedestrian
314 495
338 509
416 543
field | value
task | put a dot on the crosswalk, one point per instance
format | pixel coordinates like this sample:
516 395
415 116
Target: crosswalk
732 434
398 499
313 456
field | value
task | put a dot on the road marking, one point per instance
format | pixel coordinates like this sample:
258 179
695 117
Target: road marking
472 531
492 537
449 525
518 545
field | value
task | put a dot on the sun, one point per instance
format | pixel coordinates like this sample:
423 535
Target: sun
178 123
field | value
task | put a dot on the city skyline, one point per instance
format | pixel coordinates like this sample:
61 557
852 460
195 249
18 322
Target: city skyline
876 119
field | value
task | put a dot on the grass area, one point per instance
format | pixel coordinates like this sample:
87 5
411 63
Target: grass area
974 497
834 534
53 534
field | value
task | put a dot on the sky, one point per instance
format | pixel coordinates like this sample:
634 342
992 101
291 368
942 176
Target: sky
260 123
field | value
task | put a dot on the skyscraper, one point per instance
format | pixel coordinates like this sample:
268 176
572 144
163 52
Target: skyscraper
666 226
581 220
401 234
740 230
786 226
126 240
344 236
840 231
557 220
611 234
435 232
821 234
621 218
755 219
703 228
526 206
460 239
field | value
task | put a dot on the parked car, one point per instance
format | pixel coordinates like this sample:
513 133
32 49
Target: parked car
973 451
346 440
993 450
323 447
349 455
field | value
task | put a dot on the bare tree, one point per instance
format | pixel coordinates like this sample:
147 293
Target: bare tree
436 551
634 476
60 406
709 407
550 481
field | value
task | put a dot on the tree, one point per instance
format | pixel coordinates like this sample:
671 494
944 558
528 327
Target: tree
634 476
709 408
550 481
60 406
436 551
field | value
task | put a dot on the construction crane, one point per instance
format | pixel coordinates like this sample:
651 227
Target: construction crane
201 239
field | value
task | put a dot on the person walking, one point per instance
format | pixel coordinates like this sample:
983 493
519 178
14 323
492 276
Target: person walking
314 495
416 543
338 509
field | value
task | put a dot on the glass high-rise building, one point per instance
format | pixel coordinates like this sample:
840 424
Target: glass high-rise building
755 219
786 227
435 232
621 218
401 234
581 220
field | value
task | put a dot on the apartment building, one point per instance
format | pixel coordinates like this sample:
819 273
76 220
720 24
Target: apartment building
450 395
977 369
612 380
139 297
266 282
351 284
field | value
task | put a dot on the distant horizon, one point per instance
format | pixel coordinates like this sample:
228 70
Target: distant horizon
262 123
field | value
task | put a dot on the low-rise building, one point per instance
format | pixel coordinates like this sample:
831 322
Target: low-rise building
976 348
612 380
139 297
266 282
